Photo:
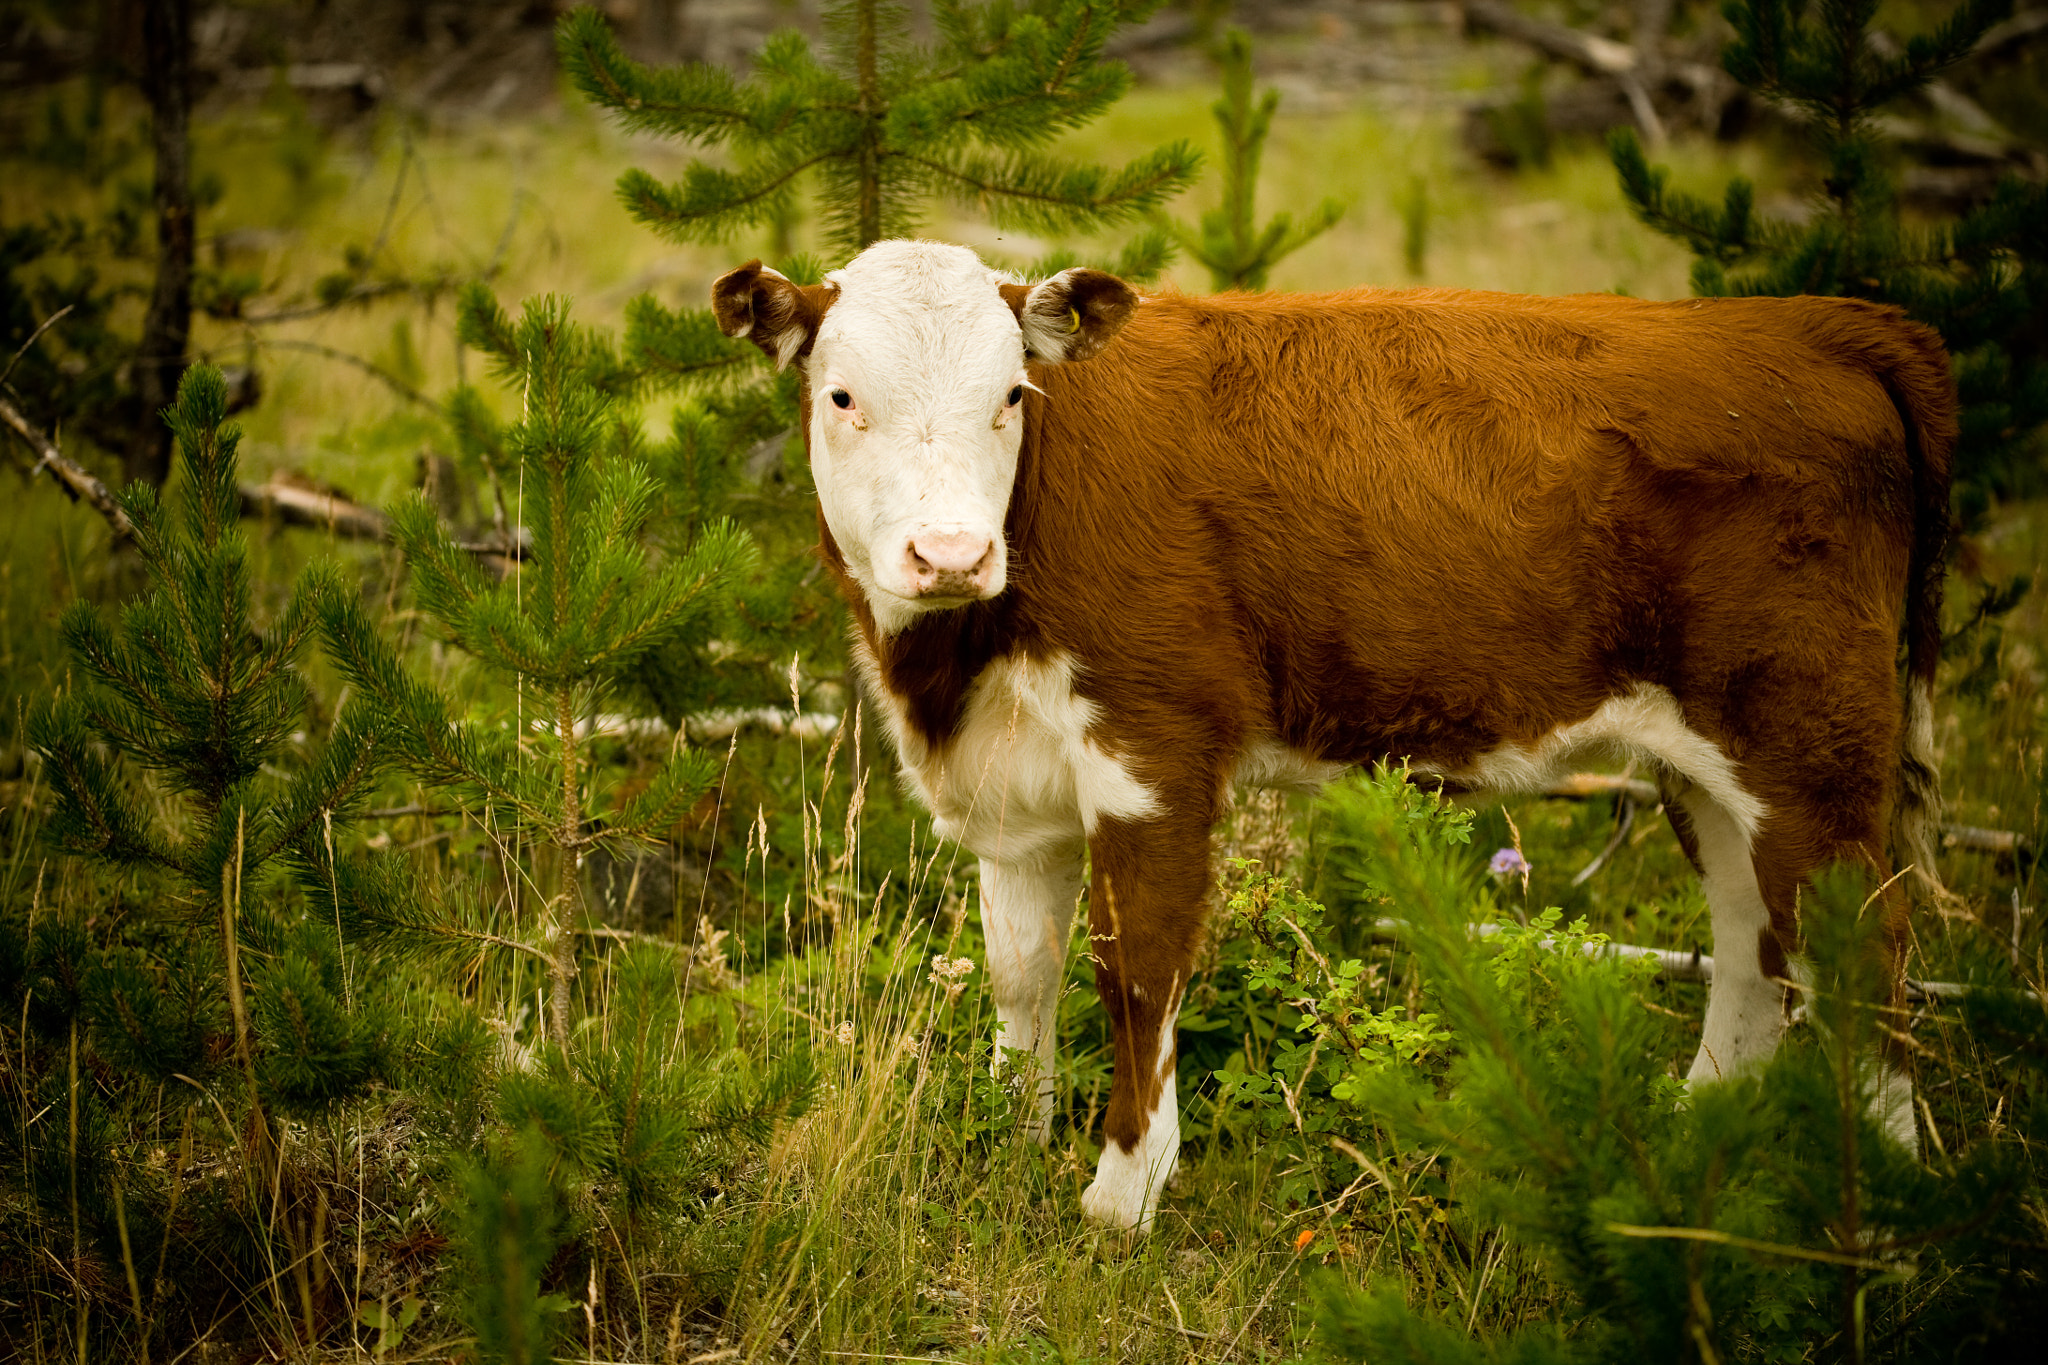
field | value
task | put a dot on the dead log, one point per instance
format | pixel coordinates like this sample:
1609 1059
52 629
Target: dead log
1593 786
279 499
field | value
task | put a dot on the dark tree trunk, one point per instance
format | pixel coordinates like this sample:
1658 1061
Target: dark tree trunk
167 326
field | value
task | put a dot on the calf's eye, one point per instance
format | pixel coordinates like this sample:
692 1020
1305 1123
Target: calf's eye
1016 395
842 399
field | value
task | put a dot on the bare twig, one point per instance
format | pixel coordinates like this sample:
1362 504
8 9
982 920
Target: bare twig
360 293
1715 1235
33 337
73 478
369 367
1621 829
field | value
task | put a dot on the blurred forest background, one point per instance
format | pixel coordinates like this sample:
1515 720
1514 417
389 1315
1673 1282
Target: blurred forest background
415 945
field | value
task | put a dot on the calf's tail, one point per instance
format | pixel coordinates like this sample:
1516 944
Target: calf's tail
1915 371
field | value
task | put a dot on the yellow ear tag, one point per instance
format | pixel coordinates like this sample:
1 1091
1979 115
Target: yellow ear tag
1073 321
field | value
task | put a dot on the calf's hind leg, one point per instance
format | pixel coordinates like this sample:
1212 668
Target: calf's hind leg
1745 1002
1027 910
1752 887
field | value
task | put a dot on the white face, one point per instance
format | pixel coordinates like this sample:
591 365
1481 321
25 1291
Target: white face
917 383
915 355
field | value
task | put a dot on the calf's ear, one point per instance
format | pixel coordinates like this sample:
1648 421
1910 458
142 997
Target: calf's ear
1071 316
768 309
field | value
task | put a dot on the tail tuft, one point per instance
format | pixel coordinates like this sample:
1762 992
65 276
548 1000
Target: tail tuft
1916 813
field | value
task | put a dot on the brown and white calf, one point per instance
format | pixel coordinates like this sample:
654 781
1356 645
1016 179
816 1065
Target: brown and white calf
1109 553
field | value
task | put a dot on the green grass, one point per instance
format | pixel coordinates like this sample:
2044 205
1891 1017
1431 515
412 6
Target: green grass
891 1220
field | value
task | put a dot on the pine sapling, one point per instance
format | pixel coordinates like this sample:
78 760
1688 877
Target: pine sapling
588 604
1238 253
191 691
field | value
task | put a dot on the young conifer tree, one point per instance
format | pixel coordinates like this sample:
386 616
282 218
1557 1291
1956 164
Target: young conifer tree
880 126
194 692
1980 280
180 763
1237 252
588 604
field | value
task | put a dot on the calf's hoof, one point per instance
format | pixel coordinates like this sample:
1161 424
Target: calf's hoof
1116 1204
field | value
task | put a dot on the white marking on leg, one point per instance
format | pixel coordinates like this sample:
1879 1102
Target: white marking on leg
1745 1009
1125 1191
1027 910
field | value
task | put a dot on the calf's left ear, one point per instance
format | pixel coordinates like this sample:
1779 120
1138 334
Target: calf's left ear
770 310
1071 316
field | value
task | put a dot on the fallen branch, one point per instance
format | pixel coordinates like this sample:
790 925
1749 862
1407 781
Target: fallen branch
73 478
2003 843
1593 786
1676 964
286 503
1597 55
292 505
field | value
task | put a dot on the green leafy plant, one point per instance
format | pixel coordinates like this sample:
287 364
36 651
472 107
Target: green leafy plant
1307 1090
1237 252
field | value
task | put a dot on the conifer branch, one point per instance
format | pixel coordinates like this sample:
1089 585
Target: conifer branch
697 101
711 202
383 376
1036 194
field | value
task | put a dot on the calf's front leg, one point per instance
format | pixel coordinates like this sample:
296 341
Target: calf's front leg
1145 909
1027 910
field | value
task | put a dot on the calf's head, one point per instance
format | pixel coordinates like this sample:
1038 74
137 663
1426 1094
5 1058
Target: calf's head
915 358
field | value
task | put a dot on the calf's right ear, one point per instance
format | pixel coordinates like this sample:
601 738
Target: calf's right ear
770 310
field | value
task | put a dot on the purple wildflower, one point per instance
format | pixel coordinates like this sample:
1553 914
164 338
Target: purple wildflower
1509 862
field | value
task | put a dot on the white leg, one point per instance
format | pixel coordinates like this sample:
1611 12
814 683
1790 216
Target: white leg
1745 1009
1126 1187
1027 910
